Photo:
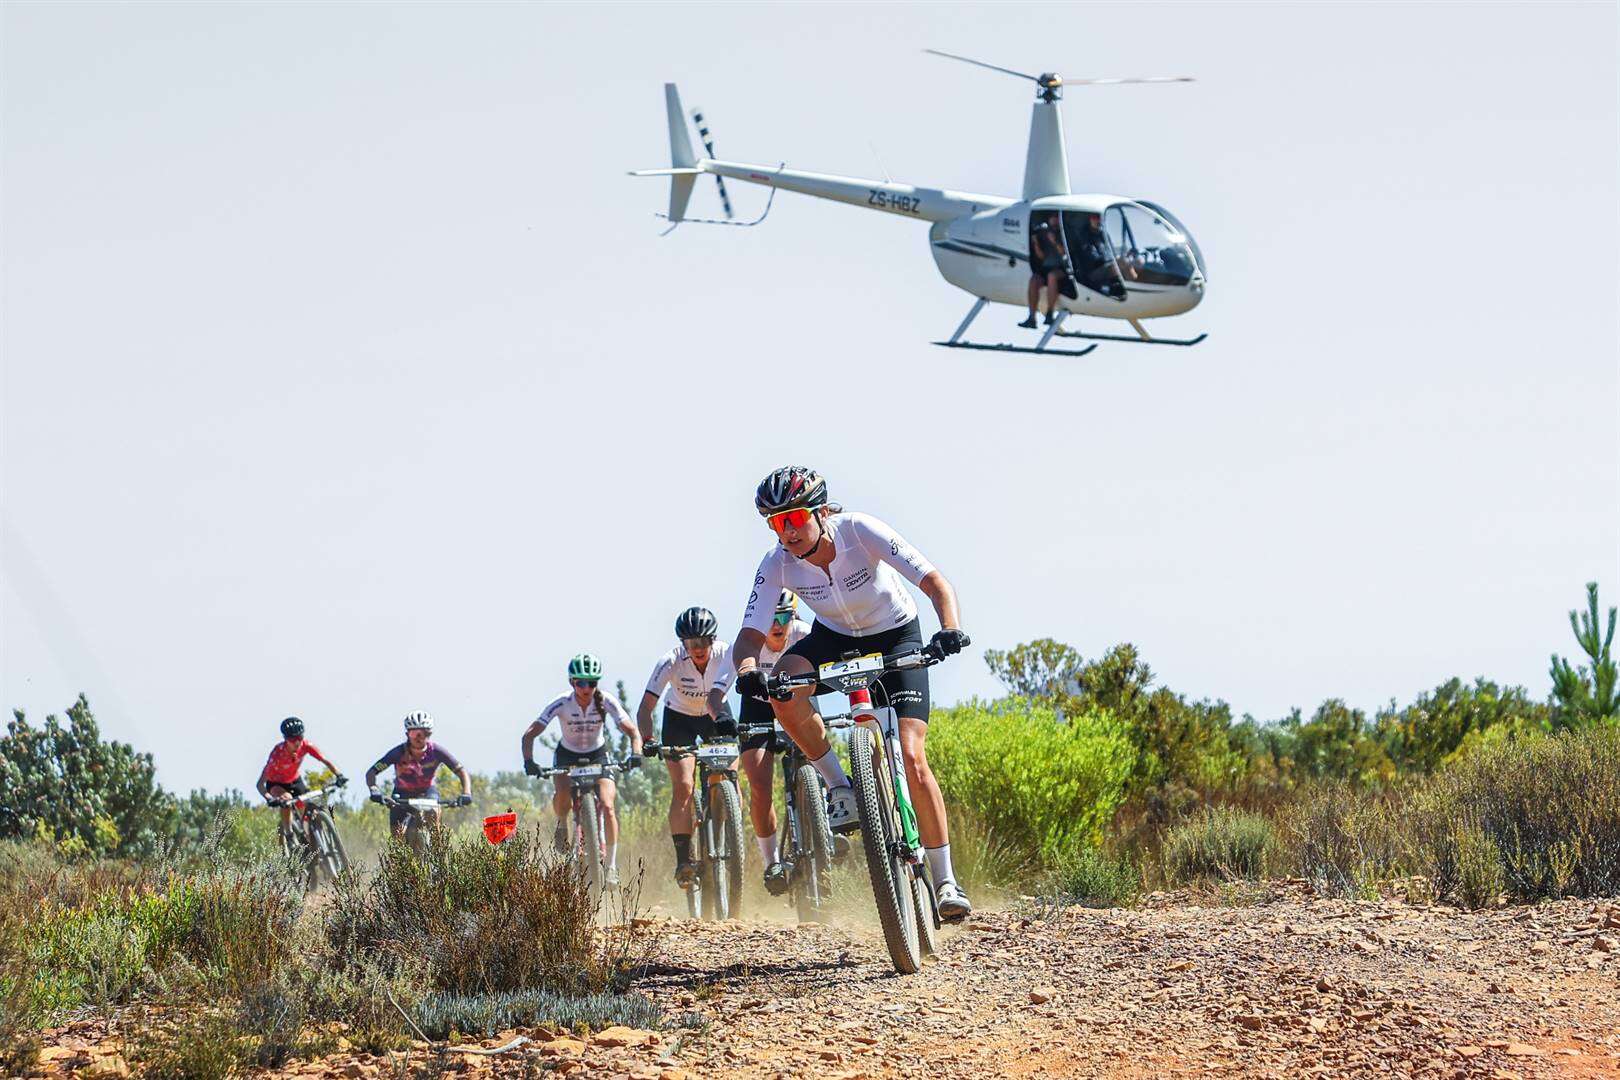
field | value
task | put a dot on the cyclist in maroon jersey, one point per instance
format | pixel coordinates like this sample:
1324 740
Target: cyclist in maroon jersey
415 763
282 779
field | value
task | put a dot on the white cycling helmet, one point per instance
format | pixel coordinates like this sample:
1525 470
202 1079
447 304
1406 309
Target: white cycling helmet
418 721
787 603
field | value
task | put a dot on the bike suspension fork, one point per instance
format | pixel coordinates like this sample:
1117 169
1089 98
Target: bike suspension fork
886 728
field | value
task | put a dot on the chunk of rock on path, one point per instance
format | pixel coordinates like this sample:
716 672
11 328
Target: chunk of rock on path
562 1046
619 1035
1041 995
1522 1050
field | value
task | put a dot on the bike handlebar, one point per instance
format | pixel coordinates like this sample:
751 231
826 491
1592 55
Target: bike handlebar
622 765
927 656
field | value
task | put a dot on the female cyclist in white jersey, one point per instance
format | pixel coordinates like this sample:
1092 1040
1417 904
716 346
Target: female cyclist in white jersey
697 673
583 713
851 569
759 762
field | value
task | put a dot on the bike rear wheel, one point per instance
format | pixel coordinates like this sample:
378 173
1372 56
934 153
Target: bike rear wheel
813 840
880 834
590 845
335 858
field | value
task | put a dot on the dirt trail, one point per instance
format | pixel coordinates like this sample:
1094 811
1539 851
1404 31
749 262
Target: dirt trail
1288 986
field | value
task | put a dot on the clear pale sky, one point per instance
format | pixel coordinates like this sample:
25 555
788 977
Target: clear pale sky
345 372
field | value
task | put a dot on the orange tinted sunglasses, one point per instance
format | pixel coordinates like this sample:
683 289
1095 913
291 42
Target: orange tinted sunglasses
797 518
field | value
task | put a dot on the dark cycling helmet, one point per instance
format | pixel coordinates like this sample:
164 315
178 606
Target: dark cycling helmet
291 726
789 488
696 622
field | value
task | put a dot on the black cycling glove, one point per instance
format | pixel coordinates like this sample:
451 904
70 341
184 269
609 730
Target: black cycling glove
752 684
633 761
650 748
531 768
464 800
726 726
950 642
376 797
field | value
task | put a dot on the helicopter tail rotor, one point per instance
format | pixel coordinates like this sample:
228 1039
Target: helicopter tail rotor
708 148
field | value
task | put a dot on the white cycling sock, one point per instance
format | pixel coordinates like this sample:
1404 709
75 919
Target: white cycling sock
767 848
939 864
831 769
613 855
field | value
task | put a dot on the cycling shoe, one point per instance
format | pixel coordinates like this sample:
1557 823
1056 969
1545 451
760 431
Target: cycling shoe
842 815
776 878
686 874
954 905
559 836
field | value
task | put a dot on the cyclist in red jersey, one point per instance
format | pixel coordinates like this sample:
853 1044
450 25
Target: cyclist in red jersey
282 778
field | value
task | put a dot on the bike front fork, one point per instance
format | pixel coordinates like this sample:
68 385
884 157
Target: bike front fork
885 727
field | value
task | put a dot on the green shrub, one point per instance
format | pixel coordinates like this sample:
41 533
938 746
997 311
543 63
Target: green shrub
1478 864
484 918
1041 784
1089 875
1345 841
1218 844
189 1044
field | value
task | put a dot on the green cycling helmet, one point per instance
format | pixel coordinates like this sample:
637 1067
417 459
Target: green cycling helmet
584 666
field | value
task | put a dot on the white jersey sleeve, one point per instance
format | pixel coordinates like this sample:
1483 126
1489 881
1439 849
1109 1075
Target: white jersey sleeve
616 710
768 586
661 673
882 542
551 713
725 668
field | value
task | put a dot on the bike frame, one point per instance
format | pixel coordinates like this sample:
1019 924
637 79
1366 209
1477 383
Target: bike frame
589 777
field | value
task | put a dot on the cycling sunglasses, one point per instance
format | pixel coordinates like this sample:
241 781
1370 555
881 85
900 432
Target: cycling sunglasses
782 618
585 684
798 518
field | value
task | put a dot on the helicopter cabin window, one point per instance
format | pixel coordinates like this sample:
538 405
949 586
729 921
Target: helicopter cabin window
1150 250
1090 253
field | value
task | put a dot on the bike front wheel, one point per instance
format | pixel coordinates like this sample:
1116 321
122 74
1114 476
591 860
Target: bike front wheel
726 854
880 835
922 894
334 858
590 845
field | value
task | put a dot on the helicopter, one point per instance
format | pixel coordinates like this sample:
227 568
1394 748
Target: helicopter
1144 265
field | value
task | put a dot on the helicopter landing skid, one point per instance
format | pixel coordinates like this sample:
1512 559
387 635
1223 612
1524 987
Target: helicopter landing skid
1132 340
956 341
1035 350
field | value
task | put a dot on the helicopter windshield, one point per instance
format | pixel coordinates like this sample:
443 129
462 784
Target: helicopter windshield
1149 248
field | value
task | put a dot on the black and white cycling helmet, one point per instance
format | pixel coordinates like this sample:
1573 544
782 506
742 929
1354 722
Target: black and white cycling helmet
696 622
789 488
418 721
291 726
787 603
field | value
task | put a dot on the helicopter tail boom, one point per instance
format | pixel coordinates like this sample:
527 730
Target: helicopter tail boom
902 200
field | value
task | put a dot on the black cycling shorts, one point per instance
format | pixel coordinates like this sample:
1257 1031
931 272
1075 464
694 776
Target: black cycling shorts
682 730
296 787
564 758
906 691
755 711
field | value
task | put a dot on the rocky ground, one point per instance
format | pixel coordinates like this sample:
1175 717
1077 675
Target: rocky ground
1283 985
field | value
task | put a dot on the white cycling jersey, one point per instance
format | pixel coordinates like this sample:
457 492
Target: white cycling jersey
582 728
688 687
768 656
859 594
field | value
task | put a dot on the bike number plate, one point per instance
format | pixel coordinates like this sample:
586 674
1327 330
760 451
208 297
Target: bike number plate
717 755
847 675
587 771
423 804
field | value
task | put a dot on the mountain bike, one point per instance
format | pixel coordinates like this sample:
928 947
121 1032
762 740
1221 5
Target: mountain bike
314 845
808 845
894 857
418 827
589 829
716 892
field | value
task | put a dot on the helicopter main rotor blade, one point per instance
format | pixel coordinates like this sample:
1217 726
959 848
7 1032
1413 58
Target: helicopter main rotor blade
1116 82
981 63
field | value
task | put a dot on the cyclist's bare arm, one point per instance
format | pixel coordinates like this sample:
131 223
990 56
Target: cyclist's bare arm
716 702
371 777
943 597
633 733
531 733
466 781
746 649
644 715
335 770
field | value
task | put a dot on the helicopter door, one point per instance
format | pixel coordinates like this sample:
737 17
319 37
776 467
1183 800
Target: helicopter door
1040 266
1093 255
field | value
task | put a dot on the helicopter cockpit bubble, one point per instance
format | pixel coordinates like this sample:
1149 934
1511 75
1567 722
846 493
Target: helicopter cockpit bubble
1149 247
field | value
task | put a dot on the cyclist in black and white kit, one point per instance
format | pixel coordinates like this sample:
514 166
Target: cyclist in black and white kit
851 569
582 714
697 673
758 762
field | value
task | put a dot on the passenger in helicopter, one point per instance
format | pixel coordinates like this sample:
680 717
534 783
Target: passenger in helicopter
1048 266
1094 258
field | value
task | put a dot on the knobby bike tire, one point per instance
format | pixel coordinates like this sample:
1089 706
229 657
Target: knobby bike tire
337 859
708 835
312 855
880 827
813 838
923 896
729 863
590 845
